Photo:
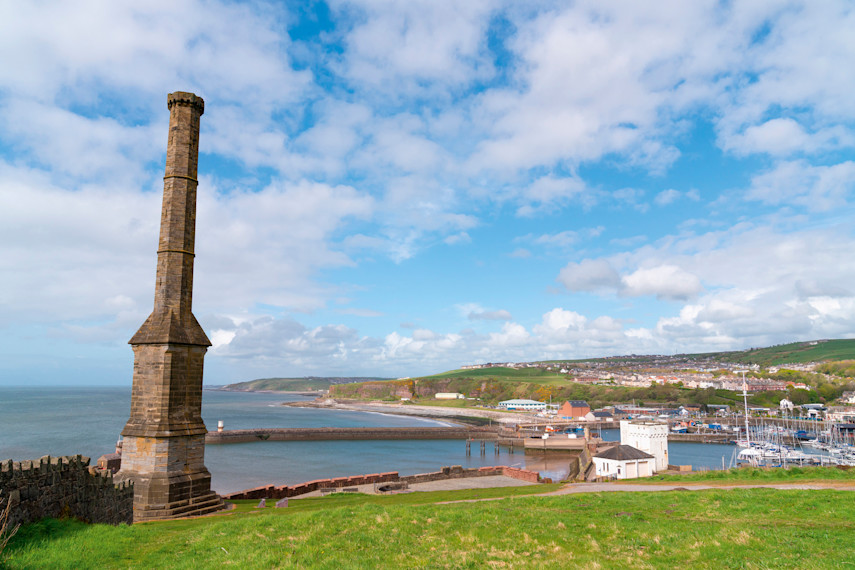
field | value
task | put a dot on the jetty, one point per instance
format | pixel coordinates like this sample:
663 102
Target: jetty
348 434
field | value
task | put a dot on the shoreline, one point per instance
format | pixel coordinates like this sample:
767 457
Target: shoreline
434 412
316 393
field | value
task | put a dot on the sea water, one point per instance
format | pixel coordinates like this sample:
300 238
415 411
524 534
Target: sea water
87 421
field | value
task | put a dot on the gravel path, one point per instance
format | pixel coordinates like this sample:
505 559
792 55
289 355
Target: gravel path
643 487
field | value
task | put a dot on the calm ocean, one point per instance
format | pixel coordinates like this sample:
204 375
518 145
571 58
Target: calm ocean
68 421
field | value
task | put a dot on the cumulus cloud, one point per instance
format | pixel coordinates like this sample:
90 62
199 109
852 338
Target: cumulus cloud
500 315
406 48
663 281
817 188
402 128
670 196
589 275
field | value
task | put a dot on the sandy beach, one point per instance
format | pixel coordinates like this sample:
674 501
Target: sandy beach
399 408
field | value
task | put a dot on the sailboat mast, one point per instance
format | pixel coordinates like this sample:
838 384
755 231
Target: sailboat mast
745 400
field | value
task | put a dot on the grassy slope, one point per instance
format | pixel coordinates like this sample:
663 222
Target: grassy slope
290 384
505 383
833 350
758 528
533 375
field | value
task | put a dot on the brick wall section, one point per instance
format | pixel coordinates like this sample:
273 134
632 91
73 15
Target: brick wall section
64 487
453 472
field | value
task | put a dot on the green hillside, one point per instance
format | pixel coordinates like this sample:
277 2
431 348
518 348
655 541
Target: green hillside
533 375
813 351
310 384
493 384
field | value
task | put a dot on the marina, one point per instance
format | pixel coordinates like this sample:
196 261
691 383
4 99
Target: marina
87 421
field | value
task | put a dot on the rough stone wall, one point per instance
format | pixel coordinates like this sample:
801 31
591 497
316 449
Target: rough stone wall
64 487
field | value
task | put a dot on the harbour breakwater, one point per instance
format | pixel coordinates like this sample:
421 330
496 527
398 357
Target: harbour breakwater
347 434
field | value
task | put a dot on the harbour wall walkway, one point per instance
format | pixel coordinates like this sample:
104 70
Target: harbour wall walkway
347 434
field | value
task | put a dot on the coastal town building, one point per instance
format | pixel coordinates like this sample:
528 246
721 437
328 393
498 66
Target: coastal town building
449 396
649 437
573 410
522 405
599 416
624 462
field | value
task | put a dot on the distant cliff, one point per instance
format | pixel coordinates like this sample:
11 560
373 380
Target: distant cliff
487 389
309 384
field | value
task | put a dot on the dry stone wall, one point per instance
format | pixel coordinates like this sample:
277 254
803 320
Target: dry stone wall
64 487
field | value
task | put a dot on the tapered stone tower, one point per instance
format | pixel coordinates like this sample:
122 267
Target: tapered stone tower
164 440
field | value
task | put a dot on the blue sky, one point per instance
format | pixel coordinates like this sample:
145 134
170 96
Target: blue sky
397 188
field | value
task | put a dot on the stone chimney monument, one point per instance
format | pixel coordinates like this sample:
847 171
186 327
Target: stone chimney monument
164 440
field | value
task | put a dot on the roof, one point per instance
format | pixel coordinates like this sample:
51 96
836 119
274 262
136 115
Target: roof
579 404
521 402
623 453
602 414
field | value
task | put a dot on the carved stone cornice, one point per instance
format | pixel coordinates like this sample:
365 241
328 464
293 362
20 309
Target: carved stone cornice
184 98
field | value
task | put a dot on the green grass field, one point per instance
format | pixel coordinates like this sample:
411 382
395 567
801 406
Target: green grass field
832 350
759 476
502 374
741 528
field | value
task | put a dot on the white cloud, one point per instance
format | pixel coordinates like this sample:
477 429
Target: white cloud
663 281
550 191
71 255
667 197
408 125
794 71
561 239
462 237
589 275
500 315
414 48
817 188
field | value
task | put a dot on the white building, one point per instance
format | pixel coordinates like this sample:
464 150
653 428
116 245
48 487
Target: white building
524 405
649 437
449 396
624 462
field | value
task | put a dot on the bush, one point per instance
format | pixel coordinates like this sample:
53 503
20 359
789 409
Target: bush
6 533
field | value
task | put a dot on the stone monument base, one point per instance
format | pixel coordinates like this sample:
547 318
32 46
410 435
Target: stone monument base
173 495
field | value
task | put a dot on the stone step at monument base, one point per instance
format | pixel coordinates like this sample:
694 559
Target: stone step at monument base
203 505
